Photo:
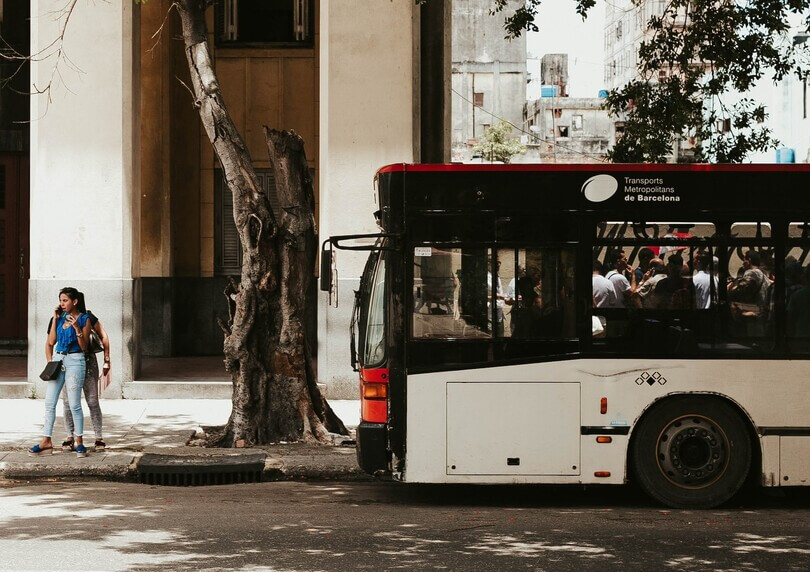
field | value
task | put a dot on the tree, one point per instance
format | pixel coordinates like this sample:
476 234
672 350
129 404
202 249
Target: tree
711 54
270 334
495 146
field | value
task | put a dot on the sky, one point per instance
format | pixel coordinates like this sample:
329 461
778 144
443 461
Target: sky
562 30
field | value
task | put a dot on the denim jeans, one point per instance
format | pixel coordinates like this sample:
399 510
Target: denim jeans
72 377
90 395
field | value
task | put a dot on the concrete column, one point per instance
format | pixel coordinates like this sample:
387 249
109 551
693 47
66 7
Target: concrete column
435 65
368 90
85 172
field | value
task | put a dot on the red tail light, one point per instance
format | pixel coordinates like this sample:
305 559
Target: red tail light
375 391
374 395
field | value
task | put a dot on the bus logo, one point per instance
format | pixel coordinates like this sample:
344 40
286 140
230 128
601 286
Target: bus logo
600 188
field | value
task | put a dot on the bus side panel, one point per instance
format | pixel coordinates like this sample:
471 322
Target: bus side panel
512 428
764 391
794 454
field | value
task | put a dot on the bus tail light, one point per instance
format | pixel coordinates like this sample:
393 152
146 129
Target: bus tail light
602 474
374 395
604 439
603 406
375 391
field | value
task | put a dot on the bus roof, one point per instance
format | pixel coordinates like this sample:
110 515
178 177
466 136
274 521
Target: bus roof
596 167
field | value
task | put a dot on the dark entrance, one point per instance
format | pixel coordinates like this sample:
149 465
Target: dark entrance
14 174
13 247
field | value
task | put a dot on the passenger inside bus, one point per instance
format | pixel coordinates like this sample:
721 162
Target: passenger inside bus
798 307
676 291
750 297
705 281
644 296
604 294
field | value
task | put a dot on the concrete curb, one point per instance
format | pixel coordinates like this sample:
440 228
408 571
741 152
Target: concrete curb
118 466
294 461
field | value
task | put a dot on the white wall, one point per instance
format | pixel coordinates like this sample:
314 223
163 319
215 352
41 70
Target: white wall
367 87
84 157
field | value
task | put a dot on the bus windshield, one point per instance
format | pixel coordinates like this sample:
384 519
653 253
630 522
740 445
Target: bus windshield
374 348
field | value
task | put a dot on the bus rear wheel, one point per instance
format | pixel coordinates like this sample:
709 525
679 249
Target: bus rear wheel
691 453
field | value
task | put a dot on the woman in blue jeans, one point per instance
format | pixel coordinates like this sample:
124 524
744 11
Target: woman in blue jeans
90 385
69 338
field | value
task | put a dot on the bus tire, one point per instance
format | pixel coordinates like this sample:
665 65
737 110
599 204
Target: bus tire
691 452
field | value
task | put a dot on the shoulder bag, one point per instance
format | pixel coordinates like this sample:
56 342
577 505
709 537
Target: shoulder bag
51 371
95 343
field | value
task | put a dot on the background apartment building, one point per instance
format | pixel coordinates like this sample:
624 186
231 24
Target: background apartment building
488 74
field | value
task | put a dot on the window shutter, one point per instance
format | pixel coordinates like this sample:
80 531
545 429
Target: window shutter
227 246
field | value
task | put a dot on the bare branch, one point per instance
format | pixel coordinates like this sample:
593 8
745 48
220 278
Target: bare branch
159 32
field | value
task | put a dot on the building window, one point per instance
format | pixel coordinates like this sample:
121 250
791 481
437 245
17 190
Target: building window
576 123
478 99
260 22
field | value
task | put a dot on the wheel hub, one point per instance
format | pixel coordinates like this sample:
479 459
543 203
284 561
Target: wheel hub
692 451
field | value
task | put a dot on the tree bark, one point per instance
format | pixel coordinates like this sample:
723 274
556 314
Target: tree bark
270 335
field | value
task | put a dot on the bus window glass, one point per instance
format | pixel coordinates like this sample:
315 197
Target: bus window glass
677 278
799 230
751 230
750 276
653 231
655 288
375 327
643 241
450 293
797 289
538 298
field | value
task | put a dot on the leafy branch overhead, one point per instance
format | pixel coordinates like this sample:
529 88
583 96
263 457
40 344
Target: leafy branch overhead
698 61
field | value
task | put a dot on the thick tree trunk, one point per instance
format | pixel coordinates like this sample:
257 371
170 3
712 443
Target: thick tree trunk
270 336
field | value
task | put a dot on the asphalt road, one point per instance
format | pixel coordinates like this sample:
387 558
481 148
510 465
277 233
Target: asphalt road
286 526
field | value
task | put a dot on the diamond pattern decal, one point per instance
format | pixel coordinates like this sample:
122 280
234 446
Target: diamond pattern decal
651 380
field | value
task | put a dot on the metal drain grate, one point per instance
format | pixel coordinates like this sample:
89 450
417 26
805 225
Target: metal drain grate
200 470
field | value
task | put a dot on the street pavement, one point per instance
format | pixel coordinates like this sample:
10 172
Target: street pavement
376 526
134 428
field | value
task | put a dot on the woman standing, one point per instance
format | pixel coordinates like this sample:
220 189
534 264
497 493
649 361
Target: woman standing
69 336
90 384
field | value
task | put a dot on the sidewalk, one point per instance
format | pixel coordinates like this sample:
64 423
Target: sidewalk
135 429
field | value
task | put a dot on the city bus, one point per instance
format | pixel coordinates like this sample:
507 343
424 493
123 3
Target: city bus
487 353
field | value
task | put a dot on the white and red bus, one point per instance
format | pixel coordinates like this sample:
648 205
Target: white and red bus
486 356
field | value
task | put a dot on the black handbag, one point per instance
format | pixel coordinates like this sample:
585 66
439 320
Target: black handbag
95 342
51 371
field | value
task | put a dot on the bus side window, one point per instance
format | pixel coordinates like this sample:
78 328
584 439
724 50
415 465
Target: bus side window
750 294
449 293
797 288
538 299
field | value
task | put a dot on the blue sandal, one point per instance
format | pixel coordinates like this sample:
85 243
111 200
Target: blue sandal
81 451
36 451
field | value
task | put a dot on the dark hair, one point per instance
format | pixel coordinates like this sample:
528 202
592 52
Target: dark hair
80 303
614 257
597 266
753 257
70 292
646 254
675 260
705 260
